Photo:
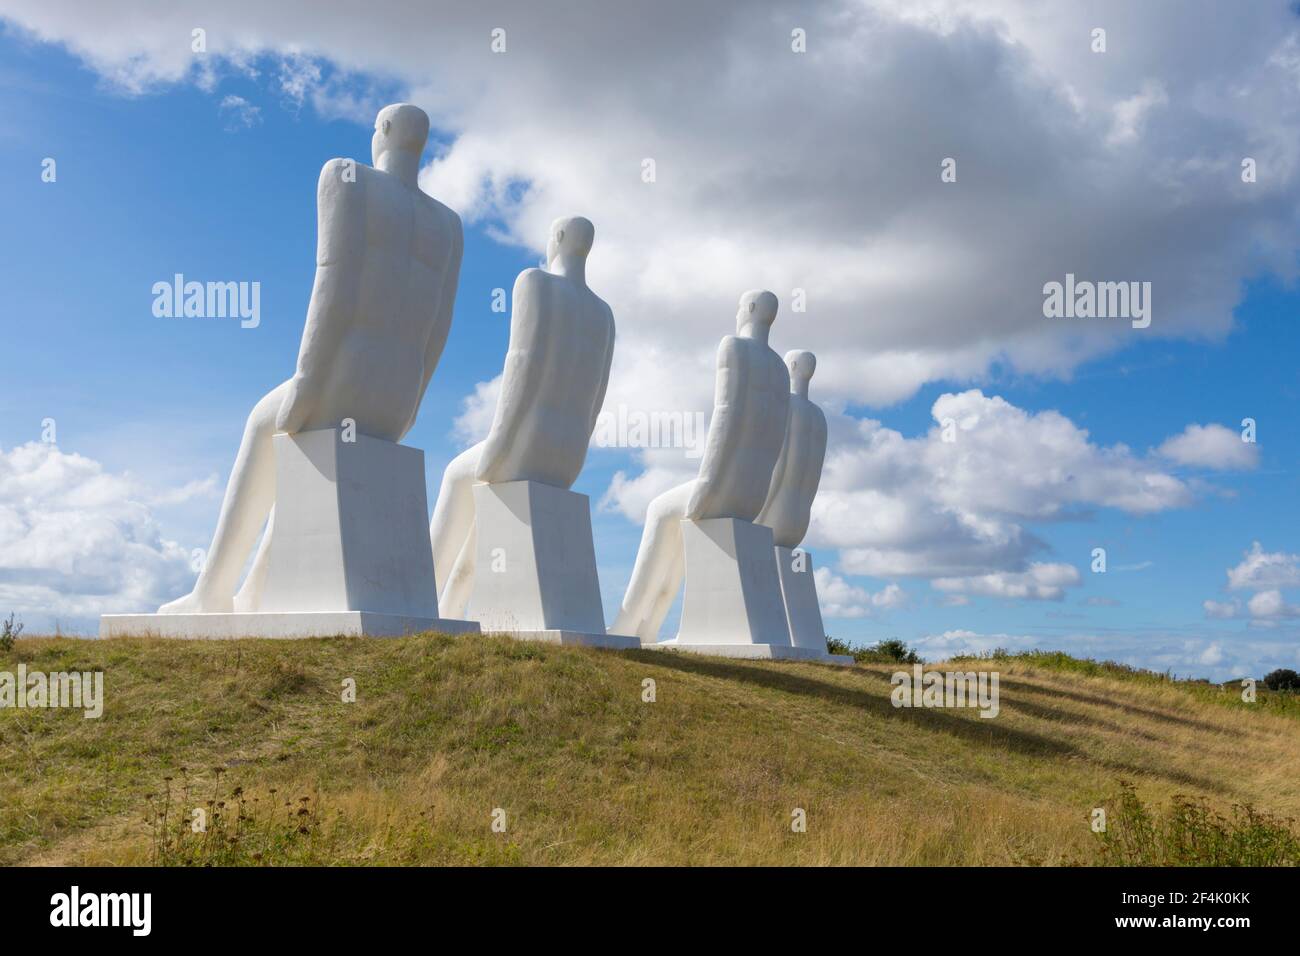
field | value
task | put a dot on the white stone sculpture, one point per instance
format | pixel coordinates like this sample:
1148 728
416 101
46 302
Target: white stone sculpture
512 546
704 529
789 505
320 449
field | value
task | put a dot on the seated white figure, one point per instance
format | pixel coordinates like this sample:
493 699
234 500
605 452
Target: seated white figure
751 401
798 471
552 388
387 263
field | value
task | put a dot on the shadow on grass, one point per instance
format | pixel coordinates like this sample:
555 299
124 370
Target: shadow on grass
988 733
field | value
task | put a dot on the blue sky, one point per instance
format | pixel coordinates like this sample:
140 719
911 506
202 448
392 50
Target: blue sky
156 176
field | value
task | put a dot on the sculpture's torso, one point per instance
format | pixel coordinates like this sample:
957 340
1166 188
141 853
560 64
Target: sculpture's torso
797 475
752 399
568 364
384 256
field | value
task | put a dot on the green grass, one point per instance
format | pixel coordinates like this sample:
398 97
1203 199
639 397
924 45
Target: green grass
445 731
1228 694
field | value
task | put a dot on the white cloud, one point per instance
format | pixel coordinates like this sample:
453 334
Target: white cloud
1042 582
1271 606
818 170
841 599
1210 446
76 541
1261 570
927 507
239 113
1222 610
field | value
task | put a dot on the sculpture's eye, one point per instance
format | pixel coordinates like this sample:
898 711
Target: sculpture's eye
387 126
559 235
751 307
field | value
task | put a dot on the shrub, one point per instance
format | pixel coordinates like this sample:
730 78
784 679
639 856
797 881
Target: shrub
1191 833
892 651
8 634
1282 679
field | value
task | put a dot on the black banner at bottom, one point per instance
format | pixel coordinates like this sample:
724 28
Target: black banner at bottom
335 905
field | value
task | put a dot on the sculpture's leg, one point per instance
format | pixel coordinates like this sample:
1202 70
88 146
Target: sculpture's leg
454 599
657 574
453 519
249 497
250 592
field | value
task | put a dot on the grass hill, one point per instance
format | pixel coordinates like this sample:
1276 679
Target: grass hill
445 731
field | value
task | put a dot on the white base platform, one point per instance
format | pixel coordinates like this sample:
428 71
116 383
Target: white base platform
799 589
616 642
276 624
534 563
733 590
764 652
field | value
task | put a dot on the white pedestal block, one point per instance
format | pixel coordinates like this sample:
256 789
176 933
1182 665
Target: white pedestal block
275 624
733 605
733 593
349 552
535 566
799 590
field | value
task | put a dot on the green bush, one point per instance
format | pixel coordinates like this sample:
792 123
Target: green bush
1282 679
1191 833
892 651
8 634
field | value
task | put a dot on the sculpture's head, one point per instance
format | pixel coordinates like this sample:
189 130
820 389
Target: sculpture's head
801 364
400 128
571 238
757 309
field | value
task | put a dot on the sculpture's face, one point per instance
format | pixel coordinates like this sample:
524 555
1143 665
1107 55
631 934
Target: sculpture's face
757 307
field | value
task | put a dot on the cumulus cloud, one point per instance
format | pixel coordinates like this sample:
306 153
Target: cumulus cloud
953 503
819 170
77 541
1211 446
840 599
1222 610
1042 582
1265 570
1271 606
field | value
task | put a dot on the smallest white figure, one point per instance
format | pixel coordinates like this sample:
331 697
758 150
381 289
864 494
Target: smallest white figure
788 508
512 546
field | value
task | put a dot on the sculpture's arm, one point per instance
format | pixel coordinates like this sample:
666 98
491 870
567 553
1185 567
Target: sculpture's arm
521 374
721 444
340 236
779 473
598 402
446 304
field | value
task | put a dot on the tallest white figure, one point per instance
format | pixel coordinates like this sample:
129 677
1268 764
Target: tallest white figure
388 257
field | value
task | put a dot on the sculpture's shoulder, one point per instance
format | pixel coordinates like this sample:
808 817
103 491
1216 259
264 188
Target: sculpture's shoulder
447 217
533 281
731 352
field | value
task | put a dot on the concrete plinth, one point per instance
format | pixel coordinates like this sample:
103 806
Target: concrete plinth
733 591
535 566
349 551
799 592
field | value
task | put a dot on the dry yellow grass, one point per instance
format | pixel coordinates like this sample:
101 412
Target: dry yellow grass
445 730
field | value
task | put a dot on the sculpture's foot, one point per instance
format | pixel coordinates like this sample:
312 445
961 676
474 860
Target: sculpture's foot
194 603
